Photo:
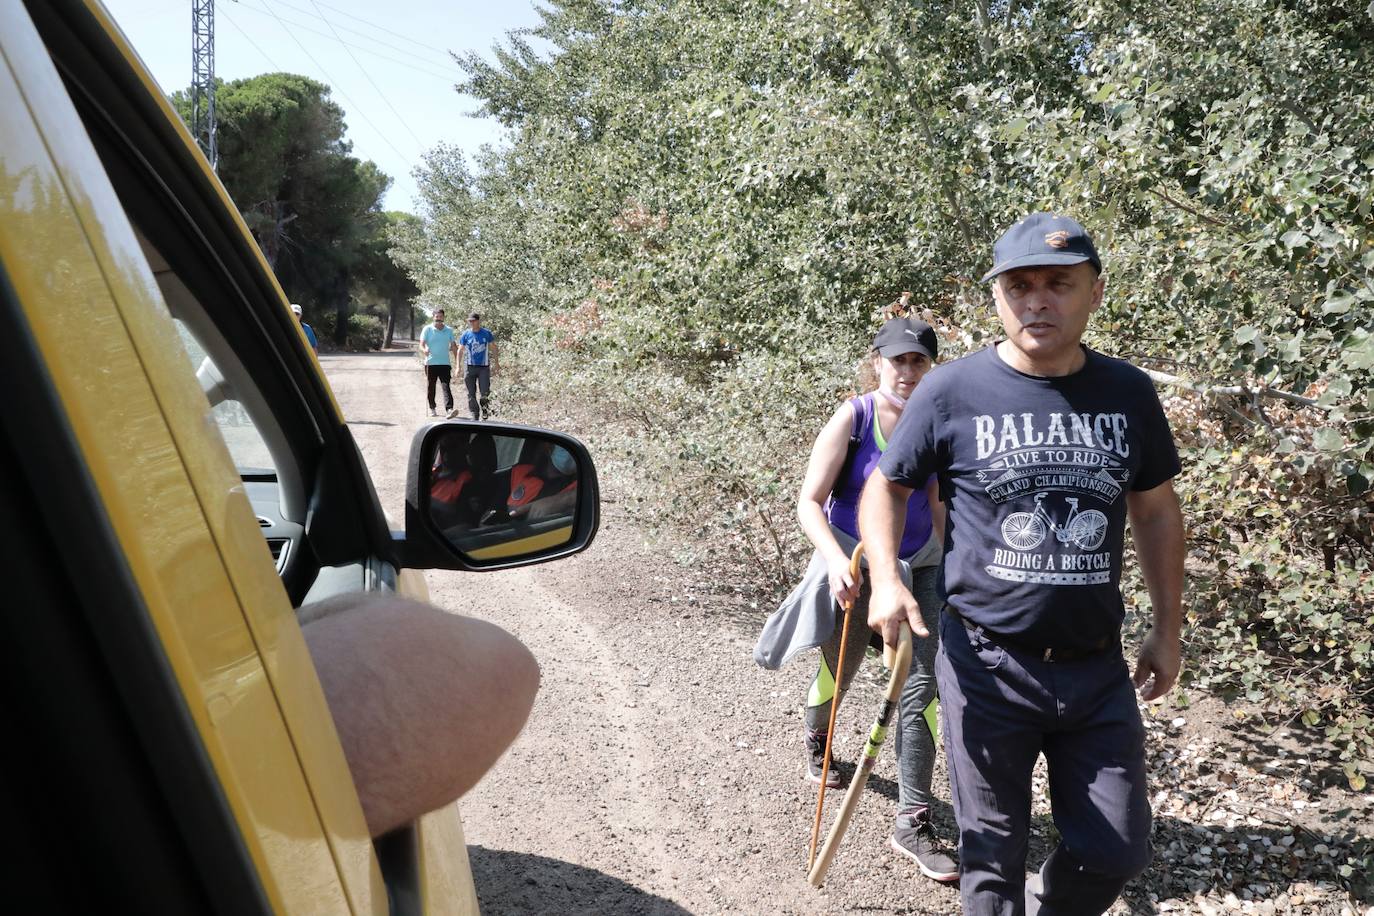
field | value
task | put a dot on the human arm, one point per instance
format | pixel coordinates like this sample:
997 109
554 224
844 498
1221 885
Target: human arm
491 351
882 518
828 454
1157 530
424 701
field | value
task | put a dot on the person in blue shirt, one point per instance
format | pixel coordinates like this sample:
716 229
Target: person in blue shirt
479 355
437 343
309 331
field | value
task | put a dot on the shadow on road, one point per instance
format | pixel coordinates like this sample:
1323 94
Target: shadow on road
517 882
326 355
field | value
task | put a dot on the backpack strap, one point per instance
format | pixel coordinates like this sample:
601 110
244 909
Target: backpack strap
862 406
863 419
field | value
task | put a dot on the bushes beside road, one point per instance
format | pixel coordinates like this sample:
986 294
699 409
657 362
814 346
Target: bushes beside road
702 207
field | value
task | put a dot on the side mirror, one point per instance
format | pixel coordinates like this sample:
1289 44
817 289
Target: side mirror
482 495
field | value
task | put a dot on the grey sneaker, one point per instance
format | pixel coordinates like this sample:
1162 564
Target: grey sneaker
453 413
433 412
815 761
914 837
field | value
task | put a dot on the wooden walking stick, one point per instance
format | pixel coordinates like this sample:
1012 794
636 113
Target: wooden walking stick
899 661
834 705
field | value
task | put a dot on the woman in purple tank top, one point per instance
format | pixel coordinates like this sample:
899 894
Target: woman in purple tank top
844 454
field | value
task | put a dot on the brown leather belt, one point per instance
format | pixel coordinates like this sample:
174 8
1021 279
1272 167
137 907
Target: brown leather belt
1045 654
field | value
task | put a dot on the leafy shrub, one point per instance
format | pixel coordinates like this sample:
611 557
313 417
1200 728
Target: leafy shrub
365 332
702 204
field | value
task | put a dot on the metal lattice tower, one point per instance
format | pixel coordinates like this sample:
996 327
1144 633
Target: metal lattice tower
203 125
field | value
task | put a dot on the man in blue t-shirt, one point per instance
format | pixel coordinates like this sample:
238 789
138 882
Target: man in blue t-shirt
1043 449
479 354
309 331
437 343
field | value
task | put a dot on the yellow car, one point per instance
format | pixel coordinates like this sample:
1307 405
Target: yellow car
178 480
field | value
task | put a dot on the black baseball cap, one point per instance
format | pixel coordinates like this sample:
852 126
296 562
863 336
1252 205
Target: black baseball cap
906 335
474 317
1043 240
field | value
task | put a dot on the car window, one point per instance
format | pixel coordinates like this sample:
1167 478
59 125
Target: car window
246 445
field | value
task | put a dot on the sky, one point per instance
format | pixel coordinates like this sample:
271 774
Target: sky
387 63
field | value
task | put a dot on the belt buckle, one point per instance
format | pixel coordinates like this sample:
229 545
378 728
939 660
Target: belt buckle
1048 656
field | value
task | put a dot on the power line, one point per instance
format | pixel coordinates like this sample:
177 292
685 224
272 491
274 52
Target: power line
447 58
356 107
448 77
384 29
270 62
418 142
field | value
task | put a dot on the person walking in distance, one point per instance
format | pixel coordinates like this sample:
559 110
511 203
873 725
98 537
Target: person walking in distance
438 346
1044 449
309 331
479 357
844 454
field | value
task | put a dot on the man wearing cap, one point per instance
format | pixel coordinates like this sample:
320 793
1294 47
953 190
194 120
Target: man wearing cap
309 331
479 354
1043 449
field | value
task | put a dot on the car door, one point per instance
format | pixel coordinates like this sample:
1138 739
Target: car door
136 299
83 309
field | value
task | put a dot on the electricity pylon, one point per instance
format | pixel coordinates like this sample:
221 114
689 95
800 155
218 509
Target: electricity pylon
203 124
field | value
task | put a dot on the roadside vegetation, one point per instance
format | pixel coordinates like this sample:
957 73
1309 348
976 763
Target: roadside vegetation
314 208
703 206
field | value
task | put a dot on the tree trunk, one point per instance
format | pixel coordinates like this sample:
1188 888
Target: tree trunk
270 240
390 324
340 294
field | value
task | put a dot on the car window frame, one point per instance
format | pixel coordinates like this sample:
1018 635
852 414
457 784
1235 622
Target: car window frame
194 226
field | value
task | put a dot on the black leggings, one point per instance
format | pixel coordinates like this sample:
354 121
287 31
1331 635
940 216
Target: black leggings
443 375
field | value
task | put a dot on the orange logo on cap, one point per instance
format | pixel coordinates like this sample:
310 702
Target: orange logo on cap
1058 239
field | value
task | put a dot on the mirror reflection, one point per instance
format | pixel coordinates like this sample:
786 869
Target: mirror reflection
502 495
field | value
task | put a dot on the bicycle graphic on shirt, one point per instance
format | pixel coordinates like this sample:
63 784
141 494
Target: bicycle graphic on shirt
1025 530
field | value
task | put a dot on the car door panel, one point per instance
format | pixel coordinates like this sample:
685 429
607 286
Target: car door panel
178 499
96 301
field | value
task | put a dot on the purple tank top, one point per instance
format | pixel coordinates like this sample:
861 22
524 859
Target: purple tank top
843 508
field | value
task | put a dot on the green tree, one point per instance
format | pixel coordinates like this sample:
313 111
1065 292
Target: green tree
378 276
312 206
703 205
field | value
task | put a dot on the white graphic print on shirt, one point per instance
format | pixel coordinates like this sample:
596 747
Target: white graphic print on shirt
1069 462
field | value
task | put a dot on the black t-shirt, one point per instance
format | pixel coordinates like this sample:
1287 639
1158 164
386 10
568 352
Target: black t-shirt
1034 472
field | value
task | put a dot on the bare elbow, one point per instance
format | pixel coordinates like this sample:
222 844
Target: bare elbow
878 486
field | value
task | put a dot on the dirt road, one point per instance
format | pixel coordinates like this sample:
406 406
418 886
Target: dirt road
661 771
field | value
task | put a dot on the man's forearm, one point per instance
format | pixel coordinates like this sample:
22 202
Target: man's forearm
1160 547
882 519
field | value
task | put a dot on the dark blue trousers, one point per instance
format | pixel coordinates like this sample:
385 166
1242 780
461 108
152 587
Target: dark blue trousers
1002 707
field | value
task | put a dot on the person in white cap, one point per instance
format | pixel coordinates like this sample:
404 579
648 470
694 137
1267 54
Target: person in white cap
309 331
